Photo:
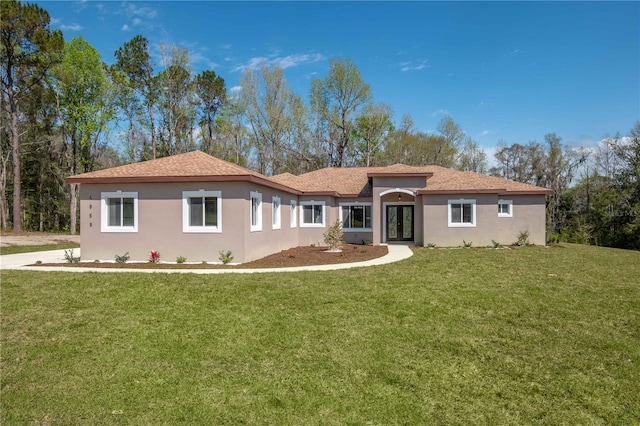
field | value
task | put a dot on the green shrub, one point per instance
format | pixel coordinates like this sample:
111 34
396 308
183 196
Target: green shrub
431 245
467 244
523 238
70 258
122 258
225 257
495 244
181 259
334 237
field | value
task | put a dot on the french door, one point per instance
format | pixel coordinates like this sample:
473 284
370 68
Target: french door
399 223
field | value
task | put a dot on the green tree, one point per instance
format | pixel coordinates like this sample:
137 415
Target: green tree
335 101
28 50
270 108
370 131
211 93
83 108
134 68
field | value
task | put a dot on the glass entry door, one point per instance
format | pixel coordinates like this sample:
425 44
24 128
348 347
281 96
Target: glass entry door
399 223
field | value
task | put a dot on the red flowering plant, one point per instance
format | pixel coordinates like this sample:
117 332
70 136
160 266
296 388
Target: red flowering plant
154 256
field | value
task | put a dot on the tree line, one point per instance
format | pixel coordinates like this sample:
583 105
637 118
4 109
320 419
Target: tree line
64 111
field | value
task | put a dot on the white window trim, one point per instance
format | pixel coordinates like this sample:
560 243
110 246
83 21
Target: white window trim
294 217
185 211
471 224
510 204
276 220
258 225
104 209
359 204
312 203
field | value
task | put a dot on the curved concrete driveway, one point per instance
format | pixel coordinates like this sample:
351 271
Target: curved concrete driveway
20 262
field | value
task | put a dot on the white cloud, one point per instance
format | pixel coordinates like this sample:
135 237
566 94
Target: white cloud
132 10
440 112
72 27
235 89
283 62
406 66
136 21
125 27
55 21
198 58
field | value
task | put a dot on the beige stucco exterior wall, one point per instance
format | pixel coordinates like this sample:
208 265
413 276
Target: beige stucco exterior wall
315 235
528 213
160 224
382 184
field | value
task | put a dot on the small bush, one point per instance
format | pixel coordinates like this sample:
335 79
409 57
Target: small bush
431 245
467 244
366 242
38 262
225 257
70 258
523 238
154 256
122 258
495 244
96 261
204 262
181 259
334 237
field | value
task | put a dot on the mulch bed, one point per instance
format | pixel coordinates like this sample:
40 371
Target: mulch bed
297 256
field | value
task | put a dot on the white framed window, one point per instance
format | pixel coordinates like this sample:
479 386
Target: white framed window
356 216
256 211
294 214
202 211
462 213
312 214
276 218
119 211
505 208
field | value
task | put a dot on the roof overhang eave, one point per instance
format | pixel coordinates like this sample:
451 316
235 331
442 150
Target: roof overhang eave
177 179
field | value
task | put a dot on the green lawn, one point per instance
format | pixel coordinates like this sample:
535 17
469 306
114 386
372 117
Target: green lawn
30 249
479 336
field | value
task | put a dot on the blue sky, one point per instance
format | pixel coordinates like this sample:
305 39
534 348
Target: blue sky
510 71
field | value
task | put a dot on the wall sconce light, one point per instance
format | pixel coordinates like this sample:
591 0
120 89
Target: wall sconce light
399 197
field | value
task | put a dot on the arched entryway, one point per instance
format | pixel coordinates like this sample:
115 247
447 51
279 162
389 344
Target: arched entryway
398 224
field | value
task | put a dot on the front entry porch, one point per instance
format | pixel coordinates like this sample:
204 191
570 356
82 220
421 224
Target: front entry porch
399 222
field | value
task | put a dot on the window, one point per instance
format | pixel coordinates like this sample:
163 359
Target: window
201 211
462 213
275 207
356 216
256 211
293 218
119 211
312 213
505 208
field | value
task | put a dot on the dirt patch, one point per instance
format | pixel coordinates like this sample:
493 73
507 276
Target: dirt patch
35 239
298 256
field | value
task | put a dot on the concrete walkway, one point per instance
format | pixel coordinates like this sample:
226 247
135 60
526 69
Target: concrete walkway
19 262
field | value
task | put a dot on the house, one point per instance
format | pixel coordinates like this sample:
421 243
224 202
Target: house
195 205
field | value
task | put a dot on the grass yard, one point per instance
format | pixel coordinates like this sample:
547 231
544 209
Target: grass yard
33 248
479 336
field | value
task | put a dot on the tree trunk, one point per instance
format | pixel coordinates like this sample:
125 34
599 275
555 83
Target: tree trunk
153 131
4 208
74 208
15 148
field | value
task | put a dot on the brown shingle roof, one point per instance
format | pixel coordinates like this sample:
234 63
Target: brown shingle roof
197 166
